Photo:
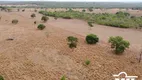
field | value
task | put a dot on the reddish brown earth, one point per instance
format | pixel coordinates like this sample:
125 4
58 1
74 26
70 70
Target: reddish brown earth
44 55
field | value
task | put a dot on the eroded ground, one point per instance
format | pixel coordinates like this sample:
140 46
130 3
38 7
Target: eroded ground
44 55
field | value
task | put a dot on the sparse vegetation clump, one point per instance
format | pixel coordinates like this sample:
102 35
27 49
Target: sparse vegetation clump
92 39
63 78
90 9
1 78
35 22
44 18
90 23
14 21
87 62
118 44
72 42
33 15
41 26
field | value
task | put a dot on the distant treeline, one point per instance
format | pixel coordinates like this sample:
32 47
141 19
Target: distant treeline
120 19
76 4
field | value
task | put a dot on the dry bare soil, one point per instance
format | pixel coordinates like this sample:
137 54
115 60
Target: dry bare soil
44 55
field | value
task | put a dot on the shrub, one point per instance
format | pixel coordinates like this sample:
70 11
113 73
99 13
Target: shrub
55 18
63 78
90 23
90 9
44 18
41 26
34 22
83 10
15 21
119 44
92 39
72 42
87 62
23 10
35 10
1 78
33 15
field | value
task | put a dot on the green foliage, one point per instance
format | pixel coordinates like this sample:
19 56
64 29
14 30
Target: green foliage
72 41
90 23
90 9
120 19
14 21
33 15
92 39
44 18
119 44
1 78
41 26
87 62
63 78
83 10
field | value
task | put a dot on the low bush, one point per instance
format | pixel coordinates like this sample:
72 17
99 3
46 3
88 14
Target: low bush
92 39
14 21
118 44
72 42
1 78
90 23
44 18
33 15
41 26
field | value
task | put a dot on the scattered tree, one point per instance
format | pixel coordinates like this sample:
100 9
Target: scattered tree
90 24
33 15
44 18
92 39
41 26
72 42
83 10
23 10
35 10
14 21
90 9
119 44
34 22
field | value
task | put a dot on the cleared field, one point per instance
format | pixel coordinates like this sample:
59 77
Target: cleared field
44 55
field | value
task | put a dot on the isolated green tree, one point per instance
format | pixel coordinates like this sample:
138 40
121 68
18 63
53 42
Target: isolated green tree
41 26
14 21
44 18
72 42
33 15
118 44
92 39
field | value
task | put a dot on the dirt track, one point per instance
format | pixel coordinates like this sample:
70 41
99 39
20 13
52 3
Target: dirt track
44 55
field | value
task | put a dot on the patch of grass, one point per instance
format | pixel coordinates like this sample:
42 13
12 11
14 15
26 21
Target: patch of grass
1 77
87 62
63 78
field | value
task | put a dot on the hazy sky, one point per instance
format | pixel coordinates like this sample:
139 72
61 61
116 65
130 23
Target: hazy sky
82 0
